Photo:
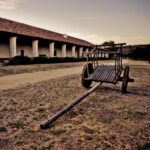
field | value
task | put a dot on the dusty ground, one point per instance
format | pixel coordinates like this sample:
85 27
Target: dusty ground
20 69
34 74
11 70
106 119
17 80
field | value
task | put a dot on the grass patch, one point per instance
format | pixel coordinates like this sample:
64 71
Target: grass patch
17 125
58 131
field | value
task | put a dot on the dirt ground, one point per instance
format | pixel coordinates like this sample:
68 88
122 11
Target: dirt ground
107 119
20 69
17 80
33 74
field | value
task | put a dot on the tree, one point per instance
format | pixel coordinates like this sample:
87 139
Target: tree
110 45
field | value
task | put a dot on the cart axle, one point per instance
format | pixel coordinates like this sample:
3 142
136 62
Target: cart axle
129 79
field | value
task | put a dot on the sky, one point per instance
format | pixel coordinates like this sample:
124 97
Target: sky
96 21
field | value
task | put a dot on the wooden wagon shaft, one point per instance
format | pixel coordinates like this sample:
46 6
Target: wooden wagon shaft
46 123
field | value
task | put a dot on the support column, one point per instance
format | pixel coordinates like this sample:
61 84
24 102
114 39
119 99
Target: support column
13 46
106 55
51 49
99 55
64 50
87 50
103 55
35 50
73 51
80 51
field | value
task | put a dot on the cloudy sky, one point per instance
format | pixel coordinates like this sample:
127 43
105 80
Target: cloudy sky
93 20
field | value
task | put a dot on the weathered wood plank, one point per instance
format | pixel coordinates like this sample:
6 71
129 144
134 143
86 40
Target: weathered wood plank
106 73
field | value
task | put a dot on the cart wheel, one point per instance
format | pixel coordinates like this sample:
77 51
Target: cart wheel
125 79
87 67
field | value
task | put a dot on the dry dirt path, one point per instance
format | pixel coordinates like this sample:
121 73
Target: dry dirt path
12 81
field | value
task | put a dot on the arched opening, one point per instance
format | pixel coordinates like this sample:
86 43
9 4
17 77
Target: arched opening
22 52
55 53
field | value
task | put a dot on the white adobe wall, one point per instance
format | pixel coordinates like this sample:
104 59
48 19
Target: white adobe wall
77 53
4 50
27 50
68 53
59 52
44 51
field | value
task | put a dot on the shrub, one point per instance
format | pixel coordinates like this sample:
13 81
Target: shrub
40 60
56 60
23 60
20 60
141 53
69 59
82 59
66 59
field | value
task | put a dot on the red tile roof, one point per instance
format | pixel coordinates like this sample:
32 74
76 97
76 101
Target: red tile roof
23 29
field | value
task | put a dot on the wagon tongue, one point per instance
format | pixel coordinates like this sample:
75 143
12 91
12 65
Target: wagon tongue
56 116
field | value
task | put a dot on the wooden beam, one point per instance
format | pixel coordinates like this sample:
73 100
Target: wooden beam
47 123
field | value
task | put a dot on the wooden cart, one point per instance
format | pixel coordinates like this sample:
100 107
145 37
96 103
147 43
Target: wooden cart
93 71
105 73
